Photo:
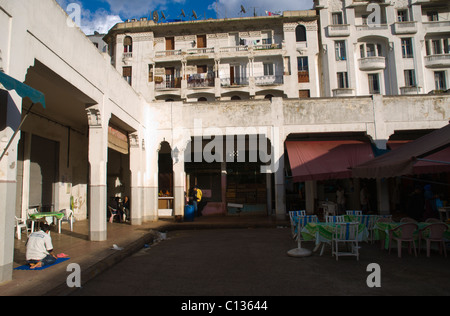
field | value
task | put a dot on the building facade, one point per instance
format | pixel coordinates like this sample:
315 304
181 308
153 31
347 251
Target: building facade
214 103
396 47
228 59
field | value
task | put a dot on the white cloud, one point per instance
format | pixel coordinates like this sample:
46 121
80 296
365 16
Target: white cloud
232 8
99 21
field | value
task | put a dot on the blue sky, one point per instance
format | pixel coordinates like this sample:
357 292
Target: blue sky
101 15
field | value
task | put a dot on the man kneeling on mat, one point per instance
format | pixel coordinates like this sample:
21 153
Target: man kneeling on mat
40 248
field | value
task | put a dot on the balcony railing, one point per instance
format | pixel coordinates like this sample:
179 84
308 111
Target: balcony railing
201 81
436 61
410 90
209 50
234 82
409 27
339 30
233 49
372 63
266 46
168 84
268 80
166 53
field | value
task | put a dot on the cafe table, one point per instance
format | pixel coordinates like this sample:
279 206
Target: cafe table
323 233
382 229
37 216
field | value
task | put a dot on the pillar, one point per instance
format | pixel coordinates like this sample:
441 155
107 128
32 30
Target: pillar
9 120
179 183
136 180
98 158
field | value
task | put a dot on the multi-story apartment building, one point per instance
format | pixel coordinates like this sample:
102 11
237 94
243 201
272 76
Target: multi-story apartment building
223 59
384 47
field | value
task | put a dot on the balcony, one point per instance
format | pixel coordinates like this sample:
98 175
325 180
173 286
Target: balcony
339 30
269 80
174 83
170 54
343 92
405 27
436 26
410 90
437 61
234 82
199 81
372 63
372 27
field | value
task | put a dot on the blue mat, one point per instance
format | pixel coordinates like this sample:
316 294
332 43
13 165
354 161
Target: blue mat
27 267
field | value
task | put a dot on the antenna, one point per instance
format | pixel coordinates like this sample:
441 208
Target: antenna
194 14
242 9
163 16
182 13
155 16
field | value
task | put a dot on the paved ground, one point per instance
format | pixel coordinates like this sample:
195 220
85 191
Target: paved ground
219 256
253 262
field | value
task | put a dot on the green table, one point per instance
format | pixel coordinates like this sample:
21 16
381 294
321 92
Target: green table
37 216
382 232
323 232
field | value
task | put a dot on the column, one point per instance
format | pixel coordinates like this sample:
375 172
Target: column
9 120
150 191
179 183
98 158
136 180
278 162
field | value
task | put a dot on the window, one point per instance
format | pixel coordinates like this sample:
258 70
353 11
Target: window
300 33
439 80
374 84
150 73
407 50
303 69
410 78
268 69
433 16
336 18
402 15
302 63
436 47
340 50
127 72
342 78
128 45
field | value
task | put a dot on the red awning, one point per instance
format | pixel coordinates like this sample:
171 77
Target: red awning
405 160
322 160
421 167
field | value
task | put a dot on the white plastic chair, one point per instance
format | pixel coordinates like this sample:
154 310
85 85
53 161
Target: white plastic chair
31 211
335 219
21 223
293 216
354 213
345 233
68 217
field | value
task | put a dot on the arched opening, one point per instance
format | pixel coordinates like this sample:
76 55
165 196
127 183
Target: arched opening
300 33
165 180
202 99
268 97
128 45
235 98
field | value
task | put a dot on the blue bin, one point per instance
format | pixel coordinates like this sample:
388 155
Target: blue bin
189 213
